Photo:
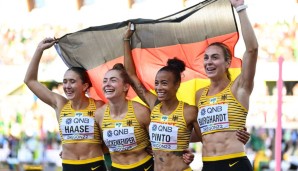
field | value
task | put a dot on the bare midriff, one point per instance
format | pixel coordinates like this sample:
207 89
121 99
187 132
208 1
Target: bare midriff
169 161
221 143
81 151
129 157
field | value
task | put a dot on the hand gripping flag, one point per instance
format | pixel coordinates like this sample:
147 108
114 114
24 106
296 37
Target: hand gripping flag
184 35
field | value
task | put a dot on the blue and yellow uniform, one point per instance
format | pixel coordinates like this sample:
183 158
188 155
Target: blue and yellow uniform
79 126
217 113
126 135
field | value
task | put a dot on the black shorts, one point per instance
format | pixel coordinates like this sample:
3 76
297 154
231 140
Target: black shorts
94 164
234 164
146 164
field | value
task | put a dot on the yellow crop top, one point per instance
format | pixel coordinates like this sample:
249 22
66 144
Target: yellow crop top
220 112
125 134
79 125
169 132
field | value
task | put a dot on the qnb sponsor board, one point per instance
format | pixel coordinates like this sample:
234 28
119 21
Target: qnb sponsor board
163 136
75 128
213 117
120 139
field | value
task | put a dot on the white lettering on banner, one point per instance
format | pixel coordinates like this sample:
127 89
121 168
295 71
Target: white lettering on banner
213 117
77 128
163 136
120 139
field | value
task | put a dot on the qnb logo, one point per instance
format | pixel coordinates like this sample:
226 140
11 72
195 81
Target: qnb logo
154 127
109 133
68 121
203 112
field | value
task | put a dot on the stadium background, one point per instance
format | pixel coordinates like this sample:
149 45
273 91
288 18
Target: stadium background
28 127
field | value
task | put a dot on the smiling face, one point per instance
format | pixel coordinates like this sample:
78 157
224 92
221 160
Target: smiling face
113 85
215 63
165 86
73 86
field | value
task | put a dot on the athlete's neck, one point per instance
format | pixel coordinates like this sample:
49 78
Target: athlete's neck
79 104
118 109
168 106
217 86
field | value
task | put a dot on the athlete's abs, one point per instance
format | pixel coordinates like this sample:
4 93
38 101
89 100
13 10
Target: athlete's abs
221 143
81 151
169 161
129 157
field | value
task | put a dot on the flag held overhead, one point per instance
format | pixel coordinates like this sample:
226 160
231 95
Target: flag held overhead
184 35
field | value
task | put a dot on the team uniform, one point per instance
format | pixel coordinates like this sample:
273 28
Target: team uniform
169 132
218 113
79 126
126 135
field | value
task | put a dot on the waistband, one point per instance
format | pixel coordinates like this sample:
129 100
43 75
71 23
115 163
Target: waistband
188 169
86 161
130 166
224 157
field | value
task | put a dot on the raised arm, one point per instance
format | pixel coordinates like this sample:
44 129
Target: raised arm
246 78
147 97
41 91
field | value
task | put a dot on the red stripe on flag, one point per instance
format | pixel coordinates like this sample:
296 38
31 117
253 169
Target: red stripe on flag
148 61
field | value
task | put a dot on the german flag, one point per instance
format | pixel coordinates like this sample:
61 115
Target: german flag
184 35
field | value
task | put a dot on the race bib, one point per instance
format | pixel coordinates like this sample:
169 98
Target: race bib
120 139
213 117
163 136
77 128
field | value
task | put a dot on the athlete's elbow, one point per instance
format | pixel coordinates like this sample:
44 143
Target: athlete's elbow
26 80
253 51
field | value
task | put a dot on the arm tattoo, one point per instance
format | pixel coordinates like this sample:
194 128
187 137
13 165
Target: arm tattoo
141 89
161 159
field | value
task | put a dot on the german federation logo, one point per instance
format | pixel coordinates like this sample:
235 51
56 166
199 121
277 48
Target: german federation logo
90 113
129 122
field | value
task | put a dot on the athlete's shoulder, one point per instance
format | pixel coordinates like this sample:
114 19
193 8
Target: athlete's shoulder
138 105
190 108
139 108
98 103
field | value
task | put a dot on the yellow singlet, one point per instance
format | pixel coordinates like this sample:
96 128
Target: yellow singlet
169 132
220 112
79 125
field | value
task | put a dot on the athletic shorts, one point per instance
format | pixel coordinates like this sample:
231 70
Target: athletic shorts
93 164
145 164
240 163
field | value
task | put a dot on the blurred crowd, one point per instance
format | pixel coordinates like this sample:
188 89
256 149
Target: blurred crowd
283 43
18 44
261 148
29 132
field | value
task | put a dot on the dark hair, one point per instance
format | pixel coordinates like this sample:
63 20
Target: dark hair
120 67
227 54
82 72
175 66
